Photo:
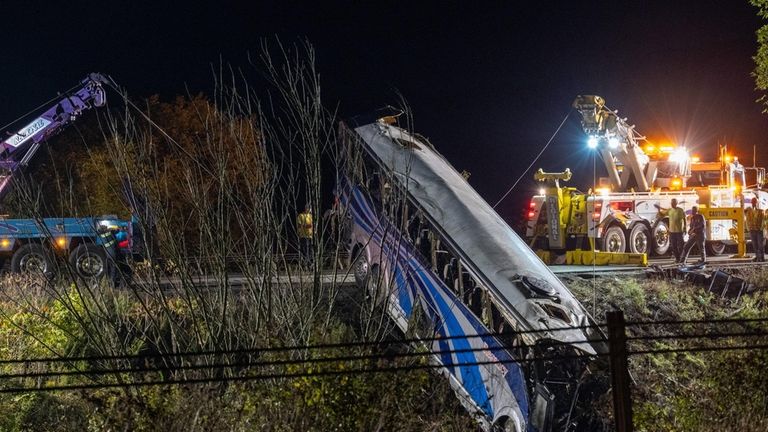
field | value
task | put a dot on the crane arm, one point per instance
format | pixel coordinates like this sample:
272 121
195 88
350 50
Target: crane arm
19 148
617 142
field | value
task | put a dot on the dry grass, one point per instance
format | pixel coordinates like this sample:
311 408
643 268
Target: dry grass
689 391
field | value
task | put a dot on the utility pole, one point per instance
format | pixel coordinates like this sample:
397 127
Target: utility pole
617 350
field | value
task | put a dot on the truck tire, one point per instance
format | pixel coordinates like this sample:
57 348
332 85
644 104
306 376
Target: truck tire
715 248
640 239
32 259
375 286
660 238
506 425
360 267
614 240
89 261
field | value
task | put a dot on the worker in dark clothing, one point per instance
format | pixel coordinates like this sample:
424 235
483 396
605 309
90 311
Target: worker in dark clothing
696 236
335 240
755 218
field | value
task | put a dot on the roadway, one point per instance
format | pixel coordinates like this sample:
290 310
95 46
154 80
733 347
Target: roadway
717 262
341 278
344 278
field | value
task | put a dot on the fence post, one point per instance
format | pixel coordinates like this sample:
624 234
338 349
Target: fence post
617 350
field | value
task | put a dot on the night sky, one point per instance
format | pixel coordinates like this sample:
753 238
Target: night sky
488 84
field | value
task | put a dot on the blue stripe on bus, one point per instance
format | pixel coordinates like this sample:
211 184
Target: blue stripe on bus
470 376
445 356
403 296
441 313
364 207
514 376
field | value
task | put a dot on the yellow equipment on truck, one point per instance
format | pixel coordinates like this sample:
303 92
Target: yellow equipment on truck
622 214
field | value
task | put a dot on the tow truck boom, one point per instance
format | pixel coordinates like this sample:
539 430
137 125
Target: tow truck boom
619 146
18 149
93 246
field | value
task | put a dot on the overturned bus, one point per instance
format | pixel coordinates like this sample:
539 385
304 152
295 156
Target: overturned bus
512 340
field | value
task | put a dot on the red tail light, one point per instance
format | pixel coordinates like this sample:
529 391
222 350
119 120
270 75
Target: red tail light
598 207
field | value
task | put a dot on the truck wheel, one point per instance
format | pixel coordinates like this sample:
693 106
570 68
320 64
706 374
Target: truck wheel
32 259
614 240
375 286
89 261
360 268
506 425
661 238
715 248
640 239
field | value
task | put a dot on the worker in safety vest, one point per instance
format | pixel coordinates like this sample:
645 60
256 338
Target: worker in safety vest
696 235
755 221
306 231
676 217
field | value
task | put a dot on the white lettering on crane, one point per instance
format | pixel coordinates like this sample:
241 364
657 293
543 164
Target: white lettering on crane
27 132
553 217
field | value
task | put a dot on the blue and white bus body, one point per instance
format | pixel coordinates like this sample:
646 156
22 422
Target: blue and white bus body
525 291
490 391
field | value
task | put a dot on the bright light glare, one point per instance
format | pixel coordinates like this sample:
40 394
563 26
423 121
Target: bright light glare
542 191
613 142
679 155
592 142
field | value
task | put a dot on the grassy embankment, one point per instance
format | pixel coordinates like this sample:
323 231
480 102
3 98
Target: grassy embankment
689 391
39 321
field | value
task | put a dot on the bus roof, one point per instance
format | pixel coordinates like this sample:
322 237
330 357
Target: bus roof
494 253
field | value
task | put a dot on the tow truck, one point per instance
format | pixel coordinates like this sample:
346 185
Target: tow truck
90 244
621 213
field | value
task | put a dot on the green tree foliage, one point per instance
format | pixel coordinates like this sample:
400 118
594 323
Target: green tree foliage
761 57
38 326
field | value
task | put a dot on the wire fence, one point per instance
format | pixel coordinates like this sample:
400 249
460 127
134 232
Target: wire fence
254 364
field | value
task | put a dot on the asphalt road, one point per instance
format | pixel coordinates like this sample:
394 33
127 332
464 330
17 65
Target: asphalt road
235 280
344 278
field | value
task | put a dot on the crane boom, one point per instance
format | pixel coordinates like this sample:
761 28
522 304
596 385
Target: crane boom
18 149
616 141
619 146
